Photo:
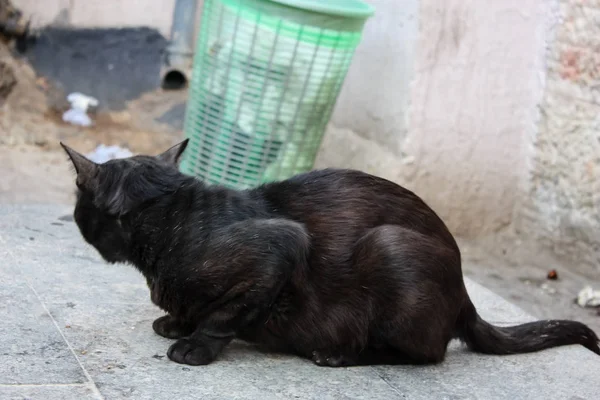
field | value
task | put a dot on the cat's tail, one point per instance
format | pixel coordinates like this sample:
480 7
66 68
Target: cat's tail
483 337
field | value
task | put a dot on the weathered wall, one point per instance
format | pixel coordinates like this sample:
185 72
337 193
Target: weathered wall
100 13
563 207
375 95
472 119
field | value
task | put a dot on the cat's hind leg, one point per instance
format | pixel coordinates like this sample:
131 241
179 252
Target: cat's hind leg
415 286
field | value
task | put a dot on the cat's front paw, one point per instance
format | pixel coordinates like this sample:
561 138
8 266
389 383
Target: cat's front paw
168 327
329 359
191 352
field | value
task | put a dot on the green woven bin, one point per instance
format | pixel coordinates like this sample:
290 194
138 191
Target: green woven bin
266 77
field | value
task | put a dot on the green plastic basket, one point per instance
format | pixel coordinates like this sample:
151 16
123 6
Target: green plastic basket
265 79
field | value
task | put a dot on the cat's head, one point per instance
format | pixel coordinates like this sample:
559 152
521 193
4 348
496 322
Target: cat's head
110 194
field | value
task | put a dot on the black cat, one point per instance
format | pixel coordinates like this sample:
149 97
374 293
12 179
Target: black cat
338 266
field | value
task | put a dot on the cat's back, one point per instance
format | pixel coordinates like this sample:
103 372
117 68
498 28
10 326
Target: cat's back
350 202
337 189
331 180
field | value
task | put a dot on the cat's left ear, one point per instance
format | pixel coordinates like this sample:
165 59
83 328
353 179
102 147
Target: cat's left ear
86 169
173 155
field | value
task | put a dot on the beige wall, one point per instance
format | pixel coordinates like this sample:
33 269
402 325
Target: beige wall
473 112
375 95
100 13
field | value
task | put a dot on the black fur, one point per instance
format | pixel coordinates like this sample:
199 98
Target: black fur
337 266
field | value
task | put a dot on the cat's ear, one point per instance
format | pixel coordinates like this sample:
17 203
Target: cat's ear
173 155
86 169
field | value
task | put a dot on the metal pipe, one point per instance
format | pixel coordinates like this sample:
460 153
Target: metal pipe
176 68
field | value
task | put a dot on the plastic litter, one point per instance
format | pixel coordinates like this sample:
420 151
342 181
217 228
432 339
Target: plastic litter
104 153
77 114
588 297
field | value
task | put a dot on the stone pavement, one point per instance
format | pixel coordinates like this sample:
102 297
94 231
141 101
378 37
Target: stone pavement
76 328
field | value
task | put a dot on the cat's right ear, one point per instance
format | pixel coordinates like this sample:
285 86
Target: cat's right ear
86 169
172 155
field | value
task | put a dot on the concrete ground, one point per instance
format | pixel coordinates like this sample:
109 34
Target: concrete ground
76 328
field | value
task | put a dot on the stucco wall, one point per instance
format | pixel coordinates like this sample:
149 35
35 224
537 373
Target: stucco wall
479 76
563 207
100 13
375 95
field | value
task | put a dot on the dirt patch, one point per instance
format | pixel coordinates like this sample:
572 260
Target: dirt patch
33 166
32 175
32 115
